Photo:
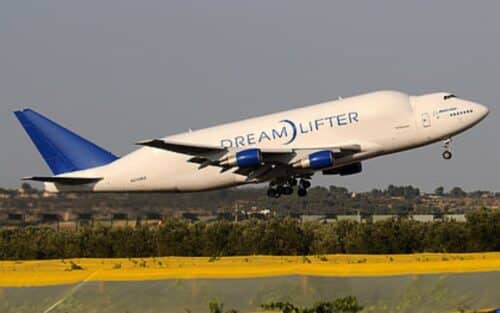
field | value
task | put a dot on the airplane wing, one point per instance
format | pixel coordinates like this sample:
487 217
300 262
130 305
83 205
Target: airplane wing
190 149
64 180
210 155
196 149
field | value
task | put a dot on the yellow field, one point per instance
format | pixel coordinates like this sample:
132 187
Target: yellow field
56 272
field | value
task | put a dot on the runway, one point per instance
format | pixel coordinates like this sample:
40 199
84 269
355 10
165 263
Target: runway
407 293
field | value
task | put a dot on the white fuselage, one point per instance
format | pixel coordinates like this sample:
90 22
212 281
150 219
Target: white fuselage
379 123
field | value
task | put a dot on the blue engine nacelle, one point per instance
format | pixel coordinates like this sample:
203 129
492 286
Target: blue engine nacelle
316 160
244 159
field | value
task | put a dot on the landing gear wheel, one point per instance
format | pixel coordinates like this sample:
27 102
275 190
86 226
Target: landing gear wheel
446 145
280 189
304 184
287 190
447 155
271 193
302 192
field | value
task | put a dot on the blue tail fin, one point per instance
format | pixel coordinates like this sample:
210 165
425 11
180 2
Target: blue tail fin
63 150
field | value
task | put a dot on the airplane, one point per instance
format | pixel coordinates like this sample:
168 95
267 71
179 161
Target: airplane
283 149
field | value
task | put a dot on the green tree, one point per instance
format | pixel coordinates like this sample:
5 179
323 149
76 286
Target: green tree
27 188
215 307
483 228
457 192
341 305
439 191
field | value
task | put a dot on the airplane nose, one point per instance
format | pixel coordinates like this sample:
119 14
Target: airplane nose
482 110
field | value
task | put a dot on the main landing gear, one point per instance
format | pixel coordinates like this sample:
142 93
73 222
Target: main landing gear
286 188
446 153
303 186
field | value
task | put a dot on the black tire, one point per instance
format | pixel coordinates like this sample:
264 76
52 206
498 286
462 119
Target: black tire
447 155
280 189
302 192
271 192
304 184
287 190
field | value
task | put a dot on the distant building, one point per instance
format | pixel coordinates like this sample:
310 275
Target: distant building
455 217
49 195
208 218
259 214
354 218
312 218
382 217
423 217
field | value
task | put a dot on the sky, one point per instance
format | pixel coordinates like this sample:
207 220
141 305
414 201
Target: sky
121 71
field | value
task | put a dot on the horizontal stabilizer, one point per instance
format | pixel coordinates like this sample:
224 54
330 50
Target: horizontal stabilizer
64 180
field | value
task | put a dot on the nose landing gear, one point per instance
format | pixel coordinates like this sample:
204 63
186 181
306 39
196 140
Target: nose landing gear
447 153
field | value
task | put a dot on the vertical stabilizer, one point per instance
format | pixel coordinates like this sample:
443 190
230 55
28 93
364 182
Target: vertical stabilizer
62 150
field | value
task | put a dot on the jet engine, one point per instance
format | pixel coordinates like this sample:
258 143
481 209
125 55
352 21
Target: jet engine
243 159
316 160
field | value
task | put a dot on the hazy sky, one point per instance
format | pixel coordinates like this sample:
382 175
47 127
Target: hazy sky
121 71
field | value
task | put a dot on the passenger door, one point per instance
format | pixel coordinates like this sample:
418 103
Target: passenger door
426 120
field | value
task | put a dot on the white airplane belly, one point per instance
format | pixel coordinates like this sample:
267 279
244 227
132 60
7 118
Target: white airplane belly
157 170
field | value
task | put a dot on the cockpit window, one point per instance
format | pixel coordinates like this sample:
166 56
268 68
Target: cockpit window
449 96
